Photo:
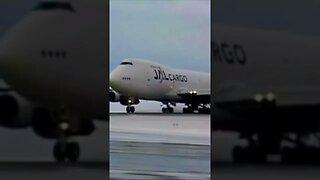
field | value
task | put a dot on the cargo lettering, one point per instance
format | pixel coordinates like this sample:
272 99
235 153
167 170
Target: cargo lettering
229 53
162 75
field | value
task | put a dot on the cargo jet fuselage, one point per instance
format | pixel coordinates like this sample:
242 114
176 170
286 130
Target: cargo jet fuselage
56 57
259 77
136 79
266 86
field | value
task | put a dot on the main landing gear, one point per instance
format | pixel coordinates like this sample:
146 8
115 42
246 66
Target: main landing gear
188 110
300 153
191 107
253 153
257 150
259 146
167 109
202 109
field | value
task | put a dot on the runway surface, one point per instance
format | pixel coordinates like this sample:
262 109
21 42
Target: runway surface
158 146
24 155
52 170
230 171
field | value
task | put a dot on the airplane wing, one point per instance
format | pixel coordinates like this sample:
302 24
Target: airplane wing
235 106
240 96
195 95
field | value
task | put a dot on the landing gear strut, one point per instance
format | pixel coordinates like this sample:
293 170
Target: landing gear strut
64 150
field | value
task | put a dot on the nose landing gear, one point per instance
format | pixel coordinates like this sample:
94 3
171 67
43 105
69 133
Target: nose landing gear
64 150
130 109
61 125
129 101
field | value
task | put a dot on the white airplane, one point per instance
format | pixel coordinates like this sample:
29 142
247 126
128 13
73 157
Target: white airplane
56 57
266 86
264 82
136 79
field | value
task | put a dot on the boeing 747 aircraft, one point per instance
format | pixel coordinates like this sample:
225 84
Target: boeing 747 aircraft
56 58
136 79
266 87
266 84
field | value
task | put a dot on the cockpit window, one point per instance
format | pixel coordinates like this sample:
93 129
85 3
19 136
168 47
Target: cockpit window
126 63
51 5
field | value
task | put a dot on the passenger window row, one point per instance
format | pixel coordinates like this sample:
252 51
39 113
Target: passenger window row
53 53
126 78
55 6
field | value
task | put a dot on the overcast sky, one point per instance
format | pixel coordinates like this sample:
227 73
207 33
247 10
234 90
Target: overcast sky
172 32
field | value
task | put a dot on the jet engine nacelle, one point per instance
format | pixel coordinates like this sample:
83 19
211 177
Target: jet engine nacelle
126 101
46 125
113 96
15 111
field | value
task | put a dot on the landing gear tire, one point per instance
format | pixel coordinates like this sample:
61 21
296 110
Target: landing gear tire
238 154
73 151
203 110
248 155
309 155
130 109
59 152
64 151
187 110
167 110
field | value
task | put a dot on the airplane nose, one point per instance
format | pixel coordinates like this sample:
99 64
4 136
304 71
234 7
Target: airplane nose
9 59
13 63
3 56
2 49
1 52
114 79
